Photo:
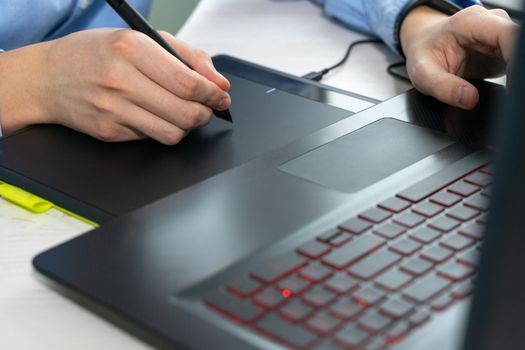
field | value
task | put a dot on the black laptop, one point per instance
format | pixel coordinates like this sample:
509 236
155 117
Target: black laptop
365 234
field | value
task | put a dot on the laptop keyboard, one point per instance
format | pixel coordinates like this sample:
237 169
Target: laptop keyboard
373 279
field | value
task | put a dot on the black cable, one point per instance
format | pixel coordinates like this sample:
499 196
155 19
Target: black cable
318 76
392 72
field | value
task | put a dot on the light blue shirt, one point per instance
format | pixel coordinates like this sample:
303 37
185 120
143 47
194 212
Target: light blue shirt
25 22
378 18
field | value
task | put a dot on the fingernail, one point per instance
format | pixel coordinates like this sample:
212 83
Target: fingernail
223 103
461 96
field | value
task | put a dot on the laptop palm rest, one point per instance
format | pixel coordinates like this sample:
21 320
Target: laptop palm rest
368 155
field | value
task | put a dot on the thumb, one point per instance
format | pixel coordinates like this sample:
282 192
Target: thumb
434 80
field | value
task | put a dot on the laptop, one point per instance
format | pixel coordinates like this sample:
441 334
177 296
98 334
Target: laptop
365 234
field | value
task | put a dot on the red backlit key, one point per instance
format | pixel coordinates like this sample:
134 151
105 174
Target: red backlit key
353 251
239 309
373 322
313 249
286 332
351 336
294 284
436 254
318 296
479 202
322 322
428 209
296 310
367 296
393 279
396 333
416 266
463 189
405 246
463 213
425 288
375 215
444 224
445 199
389 230
473 230
409 220
425 235
346 308
341 283
396 307
442 302
355 226
373 264
456 242
315 272
395 205
419 317
479 179
470 257
243 286
279 267
269 298
455 271
462 290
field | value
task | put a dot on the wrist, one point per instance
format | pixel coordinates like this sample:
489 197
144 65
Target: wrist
418 21
19 102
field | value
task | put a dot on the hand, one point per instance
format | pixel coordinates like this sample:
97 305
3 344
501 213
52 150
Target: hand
443 51
112 84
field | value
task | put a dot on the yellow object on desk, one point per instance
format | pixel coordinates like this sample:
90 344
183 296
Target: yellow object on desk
33 203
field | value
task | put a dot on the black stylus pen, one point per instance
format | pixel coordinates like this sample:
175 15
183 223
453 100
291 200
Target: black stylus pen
136 22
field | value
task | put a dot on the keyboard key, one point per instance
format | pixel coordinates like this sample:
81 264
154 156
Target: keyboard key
428 209
294 284
489 169
286 332
313 249
462 290
340 239
405 246
375 215
269 298
355 226
425 235
243 286
470 257
393 280
239 309
396 308
353 251
346 308
397 332
373 322
326 344
395 204
455 271
444 224
416 266
277 268
419 317
442 302
473 230
322 322
367 296
426 288
351 336
463 213
479 202
315 272
445 199
456 242
389 230
409 220
296 310
479 179
373 264
328 235
483 219
436 254
463 189
318 296
377 343
341 283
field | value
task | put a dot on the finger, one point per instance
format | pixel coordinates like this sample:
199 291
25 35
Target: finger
167 71
500 13
160 102
434 80
199 60
144 122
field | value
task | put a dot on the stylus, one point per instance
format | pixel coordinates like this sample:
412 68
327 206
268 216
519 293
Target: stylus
136 22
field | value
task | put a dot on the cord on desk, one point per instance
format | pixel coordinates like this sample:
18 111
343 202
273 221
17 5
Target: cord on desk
319 75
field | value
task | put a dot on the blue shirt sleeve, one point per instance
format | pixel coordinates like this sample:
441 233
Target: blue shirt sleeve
373 17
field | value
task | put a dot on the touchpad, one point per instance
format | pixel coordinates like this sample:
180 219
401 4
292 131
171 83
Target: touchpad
365 156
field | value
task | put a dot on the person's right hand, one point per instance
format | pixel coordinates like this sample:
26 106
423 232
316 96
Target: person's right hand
113 84
442 52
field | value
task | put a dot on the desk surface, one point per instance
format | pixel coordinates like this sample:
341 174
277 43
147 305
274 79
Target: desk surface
292 36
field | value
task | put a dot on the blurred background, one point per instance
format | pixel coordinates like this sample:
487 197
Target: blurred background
170 15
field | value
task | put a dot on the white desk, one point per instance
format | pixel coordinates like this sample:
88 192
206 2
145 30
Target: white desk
292 36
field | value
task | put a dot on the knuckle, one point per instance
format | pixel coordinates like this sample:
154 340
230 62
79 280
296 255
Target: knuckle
172 138
190 87
112 79
104 104
107 131
191 117
125 42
